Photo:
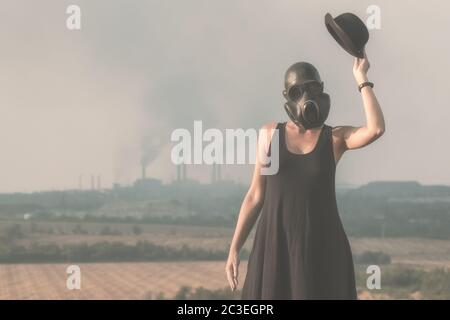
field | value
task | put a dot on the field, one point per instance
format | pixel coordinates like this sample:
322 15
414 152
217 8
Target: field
152 280
122 281
109 280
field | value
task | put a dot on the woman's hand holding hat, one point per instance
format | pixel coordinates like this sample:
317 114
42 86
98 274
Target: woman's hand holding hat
360 68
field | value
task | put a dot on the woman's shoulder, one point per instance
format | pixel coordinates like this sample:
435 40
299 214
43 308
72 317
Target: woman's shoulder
270 125
338 134
338 131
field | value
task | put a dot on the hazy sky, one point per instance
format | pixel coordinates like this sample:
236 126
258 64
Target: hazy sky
89 101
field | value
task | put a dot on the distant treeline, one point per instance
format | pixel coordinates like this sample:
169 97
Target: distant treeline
376 218
191 195
396 209
378 209
106 252
372 257
193 220
365 223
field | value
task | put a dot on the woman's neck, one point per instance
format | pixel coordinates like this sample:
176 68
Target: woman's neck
302 130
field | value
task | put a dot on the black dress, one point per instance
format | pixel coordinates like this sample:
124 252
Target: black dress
300 249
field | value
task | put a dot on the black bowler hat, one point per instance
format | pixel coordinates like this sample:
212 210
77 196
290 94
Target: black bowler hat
349 31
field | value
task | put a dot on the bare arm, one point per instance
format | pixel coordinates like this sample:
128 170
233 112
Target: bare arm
249 211
350 137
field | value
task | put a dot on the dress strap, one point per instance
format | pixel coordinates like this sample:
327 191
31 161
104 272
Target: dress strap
280 128
323 137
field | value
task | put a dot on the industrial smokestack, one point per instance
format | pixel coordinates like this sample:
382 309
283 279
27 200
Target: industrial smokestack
92 182
184 174
178 172
213 173
143 172
99 182
218 173
150 146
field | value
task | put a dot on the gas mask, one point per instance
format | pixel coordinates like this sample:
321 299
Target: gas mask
307 105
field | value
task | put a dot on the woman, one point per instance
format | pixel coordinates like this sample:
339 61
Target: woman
300 249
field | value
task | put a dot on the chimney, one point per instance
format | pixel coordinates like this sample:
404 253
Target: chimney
143 172
92 182
218 173
213 173
99 182
184 174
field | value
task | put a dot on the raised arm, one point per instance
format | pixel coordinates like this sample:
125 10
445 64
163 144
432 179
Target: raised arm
249 211
350 137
